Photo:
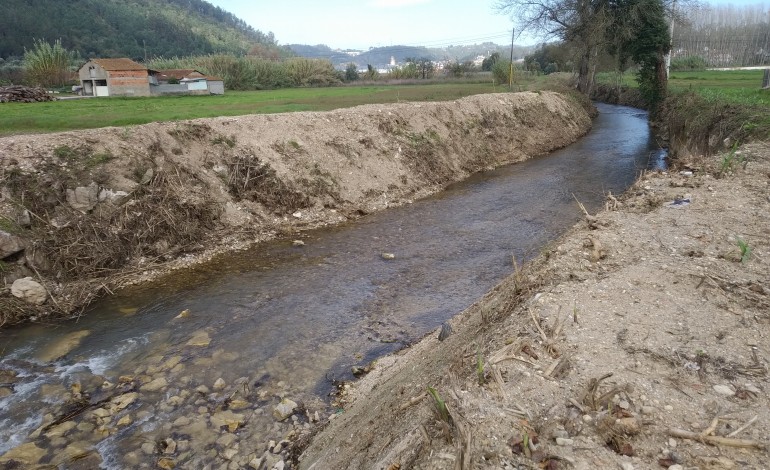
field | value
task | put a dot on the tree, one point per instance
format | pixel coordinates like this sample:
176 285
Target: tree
489 62
425 67
48 64
351 72
635 29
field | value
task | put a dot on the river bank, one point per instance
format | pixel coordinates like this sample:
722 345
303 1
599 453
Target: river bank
87 212
637 341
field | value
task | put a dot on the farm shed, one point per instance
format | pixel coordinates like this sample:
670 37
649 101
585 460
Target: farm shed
114 77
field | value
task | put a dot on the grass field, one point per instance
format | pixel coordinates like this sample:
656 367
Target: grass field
25 118
732 86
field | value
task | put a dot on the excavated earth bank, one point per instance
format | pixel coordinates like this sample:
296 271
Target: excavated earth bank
639 340
86 212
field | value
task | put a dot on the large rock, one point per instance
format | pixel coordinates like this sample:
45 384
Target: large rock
62 346
83 198
29 290
284 409
10 244
25 454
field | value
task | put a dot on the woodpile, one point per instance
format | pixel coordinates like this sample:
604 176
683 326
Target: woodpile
23 94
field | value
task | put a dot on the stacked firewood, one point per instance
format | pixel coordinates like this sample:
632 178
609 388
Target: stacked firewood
23 94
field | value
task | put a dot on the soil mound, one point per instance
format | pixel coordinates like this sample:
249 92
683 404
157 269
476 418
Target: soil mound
90 211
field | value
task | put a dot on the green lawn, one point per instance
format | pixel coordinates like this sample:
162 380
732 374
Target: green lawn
24 118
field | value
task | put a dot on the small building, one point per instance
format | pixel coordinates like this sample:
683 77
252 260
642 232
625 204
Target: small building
187 81
114 77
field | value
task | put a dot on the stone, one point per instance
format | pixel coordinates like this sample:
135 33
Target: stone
676 467
113 197
227 418
169 446
83 198
256 463
725 390
148 448
155 385
298 243
147 176
279 465
228 454
124 421
199 339
29 290
62 346
26 454
10 244
388 256
166 463
5 392
219 384
284 409
121 402
626 466
561 441
60 430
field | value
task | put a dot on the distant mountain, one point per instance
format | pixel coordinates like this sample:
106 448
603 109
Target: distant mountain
128 28
381 56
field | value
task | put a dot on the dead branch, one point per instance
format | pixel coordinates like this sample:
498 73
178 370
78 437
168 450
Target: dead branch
717 440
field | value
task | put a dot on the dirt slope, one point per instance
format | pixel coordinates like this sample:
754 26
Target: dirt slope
89 211
644 325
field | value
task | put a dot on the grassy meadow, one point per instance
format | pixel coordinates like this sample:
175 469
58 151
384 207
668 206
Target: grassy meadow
88 113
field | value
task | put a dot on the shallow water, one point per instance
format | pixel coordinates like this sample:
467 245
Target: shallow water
290 320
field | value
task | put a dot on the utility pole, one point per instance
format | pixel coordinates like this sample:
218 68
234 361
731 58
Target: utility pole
510 72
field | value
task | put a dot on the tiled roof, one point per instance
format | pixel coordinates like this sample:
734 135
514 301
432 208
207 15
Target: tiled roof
119 64
179 73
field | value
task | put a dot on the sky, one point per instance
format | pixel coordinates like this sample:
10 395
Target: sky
361 24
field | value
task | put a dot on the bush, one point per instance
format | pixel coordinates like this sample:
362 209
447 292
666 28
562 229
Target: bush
502 72
690 63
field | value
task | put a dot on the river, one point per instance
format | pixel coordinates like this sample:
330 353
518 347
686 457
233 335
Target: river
285 321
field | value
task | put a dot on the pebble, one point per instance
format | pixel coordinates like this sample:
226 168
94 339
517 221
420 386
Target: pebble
668 408
587 418
648 410
725 390
219 384
672 442
676 466
626 466
561 441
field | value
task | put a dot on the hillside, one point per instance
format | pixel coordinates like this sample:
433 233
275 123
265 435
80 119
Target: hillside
136 29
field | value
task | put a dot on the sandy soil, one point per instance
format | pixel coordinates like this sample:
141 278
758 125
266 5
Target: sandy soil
638 340
96 210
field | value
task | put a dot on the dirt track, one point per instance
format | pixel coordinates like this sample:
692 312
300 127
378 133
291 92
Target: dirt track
644 325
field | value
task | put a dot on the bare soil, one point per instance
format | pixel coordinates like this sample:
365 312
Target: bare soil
638 340
99 209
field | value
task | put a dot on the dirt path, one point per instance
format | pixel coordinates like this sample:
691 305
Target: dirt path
637 341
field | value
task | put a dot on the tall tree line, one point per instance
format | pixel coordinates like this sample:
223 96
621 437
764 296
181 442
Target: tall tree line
724 36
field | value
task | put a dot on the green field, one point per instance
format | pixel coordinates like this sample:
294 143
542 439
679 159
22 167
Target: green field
731 86
62 115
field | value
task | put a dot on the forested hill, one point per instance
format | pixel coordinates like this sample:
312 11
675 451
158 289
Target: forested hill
123 28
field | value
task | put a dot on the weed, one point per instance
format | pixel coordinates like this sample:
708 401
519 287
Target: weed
9 226
65 152
294 144
480 366
99 159
221 139
4 267
745 250
439 406
190 131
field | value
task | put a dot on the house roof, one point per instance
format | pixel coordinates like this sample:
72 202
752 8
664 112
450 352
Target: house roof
118 64
179 73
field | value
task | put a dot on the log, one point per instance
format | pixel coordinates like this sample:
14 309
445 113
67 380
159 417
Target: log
23 94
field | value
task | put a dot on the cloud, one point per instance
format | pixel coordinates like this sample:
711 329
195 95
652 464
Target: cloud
396 3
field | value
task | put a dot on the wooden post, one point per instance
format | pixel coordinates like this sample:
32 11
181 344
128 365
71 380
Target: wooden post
766 79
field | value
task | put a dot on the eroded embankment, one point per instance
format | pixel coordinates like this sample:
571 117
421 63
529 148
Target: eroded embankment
88 211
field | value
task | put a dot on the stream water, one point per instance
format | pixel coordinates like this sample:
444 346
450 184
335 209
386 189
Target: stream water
285 321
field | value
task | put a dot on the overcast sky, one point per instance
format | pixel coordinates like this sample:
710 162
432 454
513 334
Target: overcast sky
360 24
